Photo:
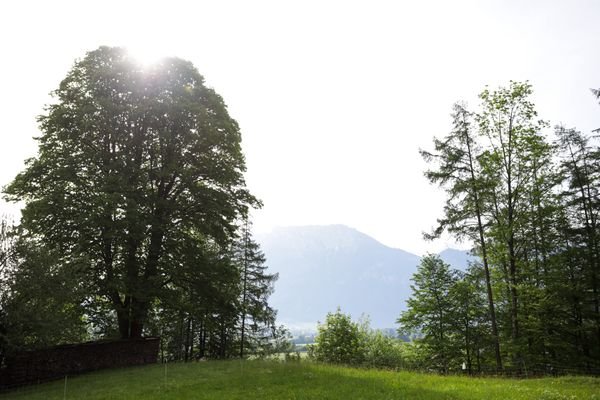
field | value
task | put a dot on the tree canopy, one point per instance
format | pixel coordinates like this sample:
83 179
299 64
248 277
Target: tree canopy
530 207
134 164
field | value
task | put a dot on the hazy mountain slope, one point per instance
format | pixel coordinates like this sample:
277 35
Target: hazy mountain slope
458 259
323 267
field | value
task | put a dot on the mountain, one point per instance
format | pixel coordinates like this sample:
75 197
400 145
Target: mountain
323 267
458 259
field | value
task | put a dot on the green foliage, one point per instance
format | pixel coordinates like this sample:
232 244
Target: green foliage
43 303
342 341
279 342
430 310
415 356
134 163
41 298
339 340
472 337
531 210
132 216
458 169
257 317
383 351
217 304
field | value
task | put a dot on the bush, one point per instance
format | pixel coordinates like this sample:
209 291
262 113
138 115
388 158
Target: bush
383 351
342 341
339 340
415 355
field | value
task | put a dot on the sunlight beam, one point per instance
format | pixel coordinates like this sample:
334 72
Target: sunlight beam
146 54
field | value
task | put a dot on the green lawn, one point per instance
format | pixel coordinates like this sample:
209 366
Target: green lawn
294 380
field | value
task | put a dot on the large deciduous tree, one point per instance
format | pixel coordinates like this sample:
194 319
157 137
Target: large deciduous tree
515 149
531 209
457 169
133 162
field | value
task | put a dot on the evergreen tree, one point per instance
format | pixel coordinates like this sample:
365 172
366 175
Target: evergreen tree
257 285
430 310
581 197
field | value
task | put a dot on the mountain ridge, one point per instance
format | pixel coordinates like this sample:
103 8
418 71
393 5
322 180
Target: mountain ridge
323 267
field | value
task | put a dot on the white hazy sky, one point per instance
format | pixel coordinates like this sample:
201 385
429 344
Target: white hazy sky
334 98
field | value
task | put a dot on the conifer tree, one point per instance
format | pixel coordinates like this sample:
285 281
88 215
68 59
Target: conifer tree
430 310
256 287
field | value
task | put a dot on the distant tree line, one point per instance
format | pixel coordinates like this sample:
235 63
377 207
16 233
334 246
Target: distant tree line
135 218
529 203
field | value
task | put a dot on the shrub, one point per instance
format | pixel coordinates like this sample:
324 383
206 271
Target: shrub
342 341
339 340
383 351
415 355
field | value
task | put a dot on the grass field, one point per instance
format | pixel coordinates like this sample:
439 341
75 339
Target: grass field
297 380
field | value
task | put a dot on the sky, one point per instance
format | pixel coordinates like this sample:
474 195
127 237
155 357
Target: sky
334 98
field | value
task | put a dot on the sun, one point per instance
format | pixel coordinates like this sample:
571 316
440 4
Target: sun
146 54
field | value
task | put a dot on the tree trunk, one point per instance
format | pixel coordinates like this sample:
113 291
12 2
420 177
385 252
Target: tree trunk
244 290
223 348
468 347
512 258
202 340
186 348
131 316
490 294
482 245
191 339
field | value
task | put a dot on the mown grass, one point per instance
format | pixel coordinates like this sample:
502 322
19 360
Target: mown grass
298 380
